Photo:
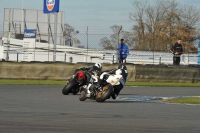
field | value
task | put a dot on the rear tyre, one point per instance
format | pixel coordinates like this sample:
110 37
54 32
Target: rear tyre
105 94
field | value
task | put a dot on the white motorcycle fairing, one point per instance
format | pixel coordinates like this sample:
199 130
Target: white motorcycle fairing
113 79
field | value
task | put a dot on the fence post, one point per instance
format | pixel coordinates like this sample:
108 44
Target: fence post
70 59
188 58
113 58
118 34
17 56
65 57
199 53
8 43
160 60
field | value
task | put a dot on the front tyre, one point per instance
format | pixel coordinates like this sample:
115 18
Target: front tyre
82 96
68 88
75 90
105 94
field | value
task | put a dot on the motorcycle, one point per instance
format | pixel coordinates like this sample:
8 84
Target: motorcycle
73 84
98 92
109 84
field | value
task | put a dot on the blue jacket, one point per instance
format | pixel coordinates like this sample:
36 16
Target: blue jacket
123 51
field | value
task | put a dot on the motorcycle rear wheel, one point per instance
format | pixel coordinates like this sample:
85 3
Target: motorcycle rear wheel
105 94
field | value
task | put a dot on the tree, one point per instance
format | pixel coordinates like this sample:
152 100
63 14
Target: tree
159 24
111 43
69 33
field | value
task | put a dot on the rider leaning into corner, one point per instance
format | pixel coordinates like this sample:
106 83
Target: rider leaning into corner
97 68
90 72
121 70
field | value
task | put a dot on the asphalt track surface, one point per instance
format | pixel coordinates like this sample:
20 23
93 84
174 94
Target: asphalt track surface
43 109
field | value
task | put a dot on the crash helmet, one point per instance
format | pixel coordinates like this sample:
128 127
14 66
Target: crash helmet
81 77
98 65
118 72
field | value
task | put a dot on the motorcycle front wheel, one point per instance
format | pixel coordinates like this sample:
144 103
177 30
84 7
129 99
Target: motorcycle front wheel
82 96
68 87
105 94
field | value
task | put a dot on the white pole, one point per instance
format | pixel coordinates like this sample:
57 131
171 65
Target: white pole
87 44
55 36
22 15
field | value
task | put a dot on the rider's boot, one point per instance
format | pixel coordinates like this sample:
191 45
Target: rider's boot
114 95
88 91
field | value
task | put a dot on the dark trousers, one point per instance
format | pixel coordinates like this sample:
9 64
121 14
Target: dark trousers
122 60
118 88
176 60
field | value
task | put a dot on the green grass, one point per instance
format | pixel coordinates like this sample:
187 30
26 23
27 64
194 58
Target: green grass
55 82
32 82
162 84
185 100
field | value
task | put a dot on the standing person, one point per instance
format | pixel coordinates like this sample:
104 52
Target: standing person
177 51
123 51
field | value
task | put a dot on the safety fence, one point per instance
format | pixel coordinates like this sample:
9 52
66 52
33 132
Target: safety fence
68 45
84 48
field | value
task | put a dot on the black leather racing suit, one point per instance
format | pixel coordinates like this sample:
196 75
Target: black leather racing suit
89 71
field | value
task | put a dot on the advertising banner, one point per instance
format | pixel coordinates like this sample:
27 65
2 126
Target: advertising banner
29 44
51 6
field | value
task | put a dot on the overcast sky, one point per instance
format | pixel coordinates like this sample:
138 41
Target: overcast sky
98 15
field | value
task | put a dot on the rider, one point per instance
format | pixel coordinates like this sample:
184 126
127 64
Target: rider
121 70
90 72
95 67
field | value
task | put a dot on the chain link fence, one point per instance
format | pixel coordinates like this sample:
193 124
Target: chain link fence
16 20
82 48
77 47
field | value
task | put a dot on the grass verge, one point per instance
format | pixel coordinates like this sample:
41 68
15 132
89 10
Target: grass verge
185 100
162 84
55 82
31 82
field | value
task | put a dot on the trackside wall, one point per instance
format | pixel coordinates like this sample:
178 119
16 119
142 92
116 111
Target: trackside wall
63 71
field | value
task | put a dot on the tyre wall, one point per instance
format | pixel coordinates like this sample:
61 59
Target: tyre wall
63 71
